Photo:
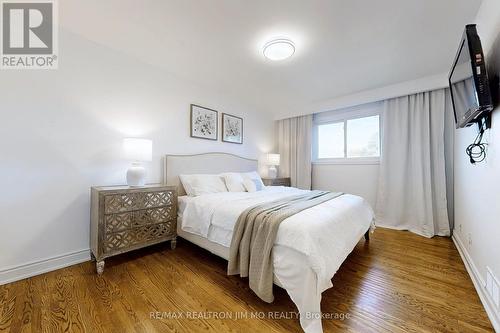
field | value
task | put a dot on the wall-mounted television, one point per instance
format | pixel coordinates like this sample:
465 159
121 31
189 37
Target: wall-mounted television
468 81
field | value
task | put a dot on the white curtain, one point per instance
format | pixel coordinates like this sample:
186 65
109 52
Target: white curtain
295 144
412 181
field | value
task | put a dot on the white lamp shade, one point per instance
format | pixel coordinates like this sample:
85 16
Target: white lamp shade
138 149
272 159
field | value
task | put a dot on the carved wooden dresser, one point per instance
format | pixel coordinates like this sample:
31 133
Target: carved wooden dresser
127 218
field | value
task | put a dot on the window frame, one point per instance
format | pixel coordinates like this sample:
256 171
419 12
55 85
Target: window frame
342 117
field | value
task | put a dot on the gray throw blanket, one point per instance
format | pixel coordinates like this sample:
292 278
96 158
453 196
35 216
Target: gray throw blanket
254 235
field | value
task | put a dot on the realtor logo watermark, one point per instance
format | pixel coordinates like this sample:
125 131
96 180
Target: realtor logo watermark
29 34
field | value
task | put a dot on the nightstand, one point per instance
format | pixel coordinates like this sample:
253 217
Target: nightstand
127 218
285 181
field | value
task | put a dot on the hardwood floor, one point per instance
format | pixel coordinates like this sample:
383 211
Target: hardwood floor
398 282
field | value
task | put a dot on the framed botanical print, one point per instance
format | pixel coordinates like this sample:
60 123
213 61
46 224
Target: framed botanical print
204 122
232 128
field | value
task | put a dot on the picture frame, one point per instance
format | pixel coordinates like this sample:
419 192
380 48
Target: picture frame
232 128
204 123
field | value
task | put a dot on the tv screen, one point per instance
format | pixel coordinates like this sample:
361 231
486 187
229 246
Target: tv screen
469 81
462 85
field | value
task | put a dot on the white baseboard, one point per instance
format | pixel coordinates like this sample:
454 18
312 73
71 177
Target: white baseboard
478 282
17 273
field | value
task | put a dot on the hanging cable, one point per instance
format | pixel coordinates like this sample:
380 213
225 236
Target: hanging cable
477 150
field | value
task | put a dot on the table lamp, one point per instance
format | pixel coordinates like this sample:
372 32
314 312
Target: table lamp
272 160
137 151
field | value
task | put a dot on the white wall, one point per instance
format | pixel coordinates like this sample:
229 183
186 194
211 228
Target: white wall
61 132
399 89
359 179
477 187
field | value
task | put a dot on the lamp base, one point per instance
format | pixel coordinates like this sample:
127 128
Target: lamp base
272 172
136 175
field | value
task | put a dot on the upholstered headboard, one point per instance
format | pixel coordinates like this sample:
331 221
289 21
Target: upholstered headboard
207 163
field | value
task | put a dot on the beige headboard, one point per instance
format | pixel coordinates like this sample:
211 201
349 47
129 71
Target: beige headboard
207 163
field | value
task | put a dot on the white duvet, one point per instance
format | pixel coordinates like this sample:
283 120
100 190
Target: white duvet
324 235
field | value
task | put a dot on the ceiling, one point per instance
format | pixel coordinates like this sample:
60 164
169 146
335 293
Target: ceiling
342 47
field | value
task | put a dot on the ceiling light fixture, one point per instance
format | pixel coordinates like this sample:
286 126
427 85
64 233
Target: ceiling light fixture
279 49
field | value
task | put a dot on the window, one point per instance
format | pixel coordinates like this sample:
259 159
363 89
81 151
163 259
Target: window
347 138
363 139
328 134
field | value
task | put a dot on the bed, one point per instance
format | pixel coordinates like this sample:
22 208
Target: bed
305 255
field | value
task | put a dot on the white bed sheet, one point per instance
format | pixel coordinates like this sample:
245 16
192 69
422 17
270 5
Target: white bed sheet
309 248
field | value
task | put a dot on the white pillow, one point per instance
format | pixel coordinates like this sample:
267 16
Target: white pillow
234 182
253 176
252 185
186 181
202 184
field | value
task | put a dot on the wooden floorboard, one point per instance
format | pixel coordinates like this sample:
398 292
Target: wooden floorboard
396 282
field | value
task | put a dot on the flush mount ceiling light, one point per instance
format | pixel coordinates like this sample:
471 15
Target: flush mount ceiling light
279 49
